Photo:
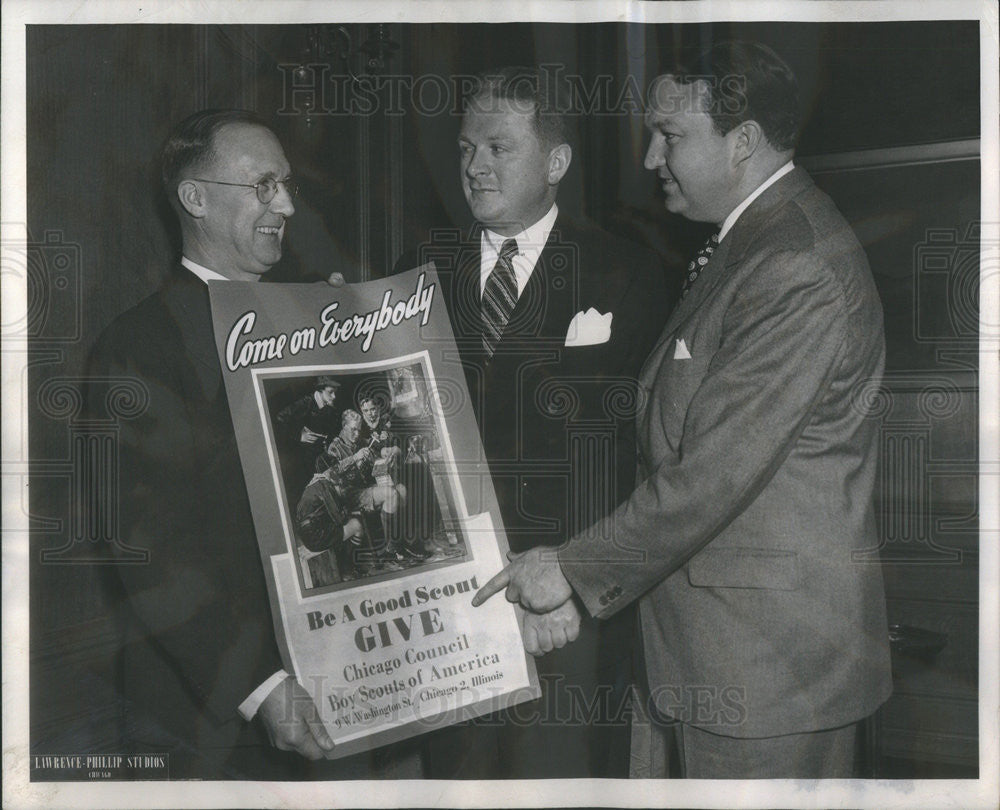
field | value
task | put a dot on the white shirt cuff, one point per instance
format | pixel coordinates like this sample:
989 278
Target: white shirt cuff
248 708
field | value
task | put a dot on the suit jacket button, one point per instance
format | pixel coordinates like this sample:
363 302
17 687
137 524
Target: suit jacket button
617 590
603 600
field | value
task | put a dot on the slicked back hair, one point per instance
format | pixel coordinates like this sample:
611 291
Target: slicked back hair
191 144
541 92
746 81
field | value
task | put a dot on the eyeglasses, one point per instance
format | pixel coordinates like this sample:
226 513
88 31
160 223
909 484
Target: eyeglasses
266 188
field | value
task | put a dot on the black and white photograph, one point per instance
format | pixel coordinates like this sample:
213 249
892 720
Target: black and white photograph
359 478
691 478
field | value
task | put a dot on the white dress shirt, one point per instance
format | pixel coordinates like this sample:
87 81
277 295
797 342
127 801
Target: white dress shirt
739 209
530 242
201 271
249 707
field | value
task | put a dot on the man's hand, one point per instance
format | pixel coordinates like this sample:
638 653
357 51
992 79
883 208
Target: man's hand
545 632
292 721
533 578
308 437
352 528
336 280
364 454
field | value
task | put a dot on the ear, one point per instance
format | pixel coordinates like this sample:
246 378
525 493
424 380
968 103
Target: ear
748 137
559 160
192 197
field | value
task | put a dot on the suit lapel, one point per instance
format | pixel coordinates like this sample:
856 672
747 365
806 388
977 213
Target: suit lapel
730 253
710 277
531 315
188 305
734 247
537 326
464 297
545 307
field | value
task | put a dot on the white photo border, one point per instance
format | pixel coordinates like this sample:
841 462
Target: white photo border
886 794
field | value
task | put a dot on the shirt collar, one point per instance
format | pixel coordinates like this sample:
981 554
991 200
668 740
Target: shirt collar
530 243
739 209
201 271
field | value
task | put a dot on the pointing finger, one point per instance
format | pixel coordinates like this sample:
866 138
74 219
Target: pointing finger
494 586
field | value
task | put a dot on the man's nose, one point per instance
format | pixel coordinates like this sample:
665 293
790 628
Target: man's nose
478 164
282 202
654 155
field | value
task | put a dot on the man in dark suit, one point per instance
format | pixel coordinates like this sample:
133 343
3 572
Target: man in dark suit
202 676
764 633
311 420
303 428
552 319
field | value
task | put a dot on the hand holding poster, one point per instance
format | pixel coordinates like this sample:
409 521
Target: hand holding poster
373 506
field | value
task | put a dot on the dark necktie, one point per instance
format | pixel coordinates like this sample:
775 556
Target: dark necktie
499 296
698 263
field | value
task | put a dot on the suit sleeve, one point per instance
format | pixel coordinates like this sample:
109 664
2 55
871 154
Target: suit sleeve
199 601
782 338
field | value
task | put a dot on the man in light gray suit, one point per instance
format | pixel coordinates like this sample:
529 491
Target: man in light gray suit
764 632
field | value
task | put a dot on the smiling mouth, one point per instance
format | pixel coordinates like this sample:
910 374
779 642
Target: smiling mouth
269 230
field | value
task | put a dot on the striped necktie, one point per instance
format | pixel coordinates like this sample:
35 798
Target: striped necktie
698 263
499 296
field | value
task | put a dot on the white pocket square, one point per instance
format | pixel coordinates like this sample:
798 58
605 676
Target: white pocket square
589 328
681 350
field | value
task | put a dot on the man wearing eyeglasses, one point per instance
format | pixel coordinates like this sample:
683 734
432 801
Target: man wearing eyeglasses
202 678
233 207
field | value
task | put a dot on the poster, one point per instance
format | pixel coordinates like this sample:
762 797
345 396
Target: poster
373 539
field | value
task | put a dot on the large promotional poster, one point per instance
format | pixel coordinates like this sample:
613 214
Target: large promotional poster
372 502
